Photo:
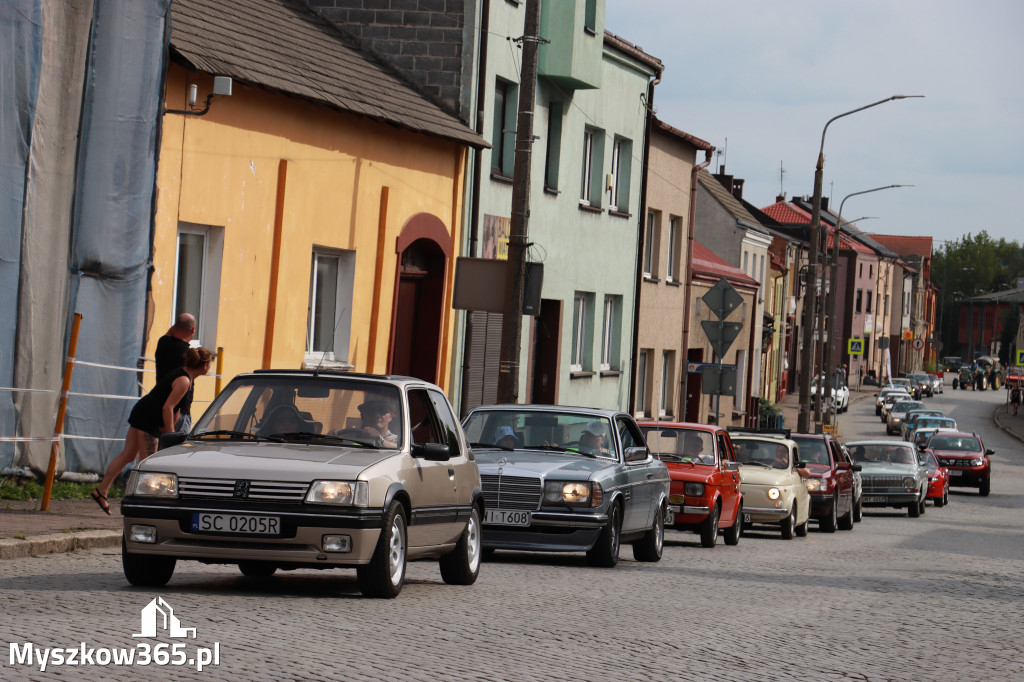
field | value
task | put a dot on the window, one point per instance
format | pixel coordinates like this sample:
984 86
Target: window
590 16
622 150
746 269
886 312
867 301
554 145
503 133
642 383
329 321
857 300
197 278
610 332
651 245
860 271
590 180
871 271
582 330
667 374
675 240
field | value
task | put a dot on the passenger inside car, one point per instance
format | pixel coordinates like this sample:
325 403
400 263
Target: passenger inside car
285 419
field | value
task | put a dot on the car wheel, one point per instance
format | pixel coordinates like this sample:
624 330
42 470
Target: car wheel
858 511
146 570
256 569
922 506
984 488
828 523
733 533
385 574
605 552
652 544
939 502
789 525
913 509
801 530
461 566
945 496
846 520
878 410
709 529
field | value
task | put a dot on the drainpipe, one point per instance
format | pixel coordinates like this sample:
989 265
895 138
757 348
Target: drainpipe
474 210
688 280
638 279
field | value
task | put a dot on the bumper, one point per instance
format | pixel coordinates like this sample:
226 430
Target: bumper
900 499
971 478
765 514
684 516
936 490
821 504
548 532
300 540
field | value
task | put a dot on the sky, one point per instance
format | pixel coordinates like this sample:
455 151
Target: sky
759 79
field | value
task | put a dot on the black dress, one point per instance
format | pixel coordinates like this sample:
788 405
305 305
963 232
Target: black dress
147 415
170 355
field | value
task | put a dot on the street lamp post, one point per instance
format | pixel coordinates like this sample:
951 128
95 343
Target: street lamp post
829 323
807 352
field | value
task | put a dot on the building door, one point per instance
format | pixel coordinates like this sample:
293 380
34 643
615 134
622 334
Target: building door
547 339
417 329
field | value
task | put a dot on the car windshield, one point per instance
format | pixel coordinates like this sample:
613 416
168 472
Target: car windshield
916 416
954 443
324 409
935 423
566 432
680 445
813 450
894 453
766 452
906 405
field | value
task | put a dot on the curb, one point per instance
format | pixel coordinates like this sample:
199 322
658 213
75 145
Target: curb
37 545
996 420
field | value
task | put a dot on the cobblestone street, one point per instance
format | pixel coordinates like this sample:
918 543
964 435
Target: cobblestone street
934 598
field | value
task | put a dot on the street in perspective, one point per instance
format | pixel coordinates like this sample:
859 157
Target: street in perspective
929 598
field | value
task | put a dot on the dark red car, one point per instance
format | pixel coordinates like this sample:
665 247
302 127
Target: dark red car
704 495
831 483
938 479
965 456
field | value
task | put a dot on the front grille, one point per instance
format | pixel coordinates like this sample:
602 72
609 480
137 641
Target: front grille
881 482
511 492
273 491
956 462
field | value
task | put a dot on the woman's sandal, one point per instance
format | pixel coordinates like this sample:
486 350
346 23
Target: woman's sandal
100 499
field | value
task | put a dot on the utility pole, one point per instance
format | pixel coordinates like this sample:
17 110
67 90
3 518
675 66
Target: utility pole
512 317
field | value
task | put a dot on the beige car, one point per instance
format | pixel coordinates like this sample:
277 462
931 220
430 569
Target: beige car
308 469
774 493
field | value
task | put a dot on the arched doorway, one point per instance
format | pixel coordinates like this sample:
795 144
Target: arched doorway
419 299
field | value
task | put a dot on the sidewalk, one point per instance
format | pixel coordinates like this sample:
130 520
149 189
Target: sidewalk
790 406
67 525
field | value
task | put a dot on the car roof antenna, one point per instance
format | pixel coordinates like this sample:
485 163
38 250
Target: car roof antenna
330 344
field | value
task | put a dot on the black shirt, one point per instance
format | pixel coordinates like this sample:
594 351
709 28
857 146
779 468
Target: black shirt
170 355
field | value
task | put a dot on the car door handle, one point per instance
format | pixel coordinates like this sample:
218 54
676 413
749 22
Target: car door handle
650 474
451 472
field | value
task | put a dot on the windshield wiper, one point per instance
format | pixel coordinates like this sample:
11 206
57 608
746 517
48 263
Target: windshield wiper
245 435
506 448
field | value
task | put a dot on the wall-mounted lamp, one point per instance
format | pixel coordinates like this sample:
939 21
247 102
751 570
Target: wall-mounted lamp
221 86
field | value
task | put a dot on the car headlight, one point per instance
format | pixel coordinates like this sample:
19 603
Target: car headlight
152 484
908 481
977 462
816 484
348 493
773 493
572 493
695 489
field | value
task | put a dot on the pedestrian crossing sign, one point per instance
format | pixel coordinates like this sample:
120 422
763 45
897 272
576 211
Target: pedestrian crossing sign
855 347
1020 357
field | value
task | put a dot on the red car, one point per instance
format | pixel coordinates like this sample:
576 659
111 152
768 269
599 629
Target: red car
965 456
831 483
938 479
704 496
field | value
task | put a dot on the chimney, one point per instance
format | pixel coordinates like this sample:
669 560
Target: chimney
725 180
737 188
780 198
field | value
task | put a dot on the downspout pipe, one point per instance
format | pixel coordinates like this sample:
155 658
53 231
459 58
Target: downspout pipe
638 278
688 280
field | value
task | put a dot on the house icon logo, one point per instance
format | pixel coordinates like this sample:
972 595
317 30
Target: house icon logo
158 614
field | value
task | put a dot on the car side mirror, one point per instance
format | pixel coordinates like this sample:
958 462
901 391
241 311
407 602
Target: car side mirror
432 452
170 439
843 466
637 453
855 467
876 395
732 466
802 464
990 452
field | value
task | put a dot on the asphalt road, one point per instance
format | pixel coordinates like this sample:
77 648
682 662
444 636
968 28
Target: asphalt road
934 598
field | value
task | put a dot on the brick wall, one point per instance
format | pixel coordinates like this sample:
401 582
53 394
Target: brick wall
422 38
